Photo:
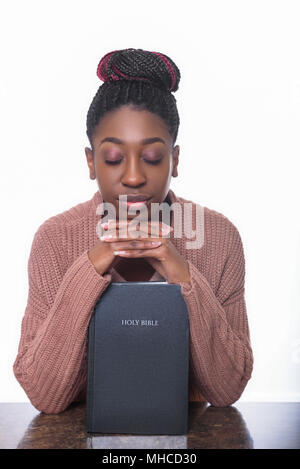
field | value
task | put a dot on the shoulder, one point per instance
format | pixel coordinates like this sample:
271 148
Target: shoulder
220 233
54 229
214 221
222 225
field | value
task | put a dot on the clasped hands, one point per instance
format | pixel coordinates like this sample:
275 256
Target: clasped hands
159 251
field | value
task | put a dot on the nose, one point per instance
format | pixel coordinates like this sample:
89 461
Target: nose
133 175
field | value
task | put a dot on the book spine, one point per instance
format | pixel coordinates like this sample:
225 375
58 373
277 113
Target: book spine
90 384
188 364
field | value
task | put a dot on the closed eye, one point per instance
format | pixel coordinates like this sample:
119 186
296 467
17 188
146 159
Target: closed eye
154 162
112 162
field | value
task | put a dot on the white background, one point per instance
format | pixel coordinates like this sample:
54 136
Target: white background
239 105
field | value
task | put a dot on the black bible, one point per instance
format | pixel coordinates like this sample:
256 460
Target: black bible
138 360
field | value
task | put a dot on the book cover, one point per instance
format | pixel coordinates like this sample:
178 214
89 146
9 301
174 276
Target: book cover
138 360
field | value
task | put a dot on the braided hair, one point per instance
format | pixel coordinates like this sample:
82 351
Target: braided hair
142 79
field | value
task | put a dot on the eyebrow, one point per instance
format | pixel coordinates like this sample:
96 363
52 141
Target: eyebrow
145 141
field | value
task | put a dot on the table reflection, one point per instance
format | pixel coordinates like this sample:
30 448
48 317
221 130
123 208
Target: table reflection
209 427
138 442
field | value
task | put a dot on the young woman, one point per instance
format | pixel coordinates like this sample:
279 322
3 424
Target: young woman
132 126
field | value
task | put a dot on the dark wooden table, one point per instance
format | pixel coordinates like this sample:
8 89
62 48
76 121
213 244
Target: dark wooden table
272 425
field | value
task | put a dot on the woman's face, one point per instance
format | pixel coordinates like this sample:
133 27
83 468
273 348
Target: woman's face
124 165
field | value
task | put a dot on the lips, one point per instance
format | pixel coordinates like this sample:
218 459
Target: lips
136 197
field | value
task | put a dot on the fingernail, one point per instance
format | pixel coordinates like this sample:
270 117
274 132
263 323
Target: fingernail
119 252
156 243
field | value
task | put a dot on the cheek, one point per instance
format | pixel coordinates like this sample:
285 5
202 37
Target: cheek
107 175
105 183
161 176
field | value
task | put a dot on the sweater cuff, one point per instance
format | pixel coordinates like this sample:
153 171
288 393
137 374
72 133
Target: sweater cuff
96 281
197 280
82 284
188 287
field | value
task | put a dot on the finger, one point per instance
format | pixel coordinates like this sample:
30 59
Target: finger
132 245
137 253
132 233
143 225
112 237
140 241
121 231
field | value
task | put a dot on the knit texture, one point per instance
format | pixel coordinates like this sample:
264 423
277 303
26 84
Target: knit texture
64 286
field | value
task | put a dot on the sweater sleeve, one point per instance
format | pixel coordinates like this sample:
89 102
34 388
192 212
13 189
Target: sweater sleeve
54 326
221 354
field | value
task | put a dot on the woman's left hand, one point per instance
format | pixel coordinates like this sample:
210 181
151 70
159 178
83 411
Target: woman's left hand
164 258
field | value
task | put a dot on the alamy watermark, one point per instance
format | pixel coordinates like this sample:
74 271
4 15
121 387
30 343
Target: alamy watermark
182 220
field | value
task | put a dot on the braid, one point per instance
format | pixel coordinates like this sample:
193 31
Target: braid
141 78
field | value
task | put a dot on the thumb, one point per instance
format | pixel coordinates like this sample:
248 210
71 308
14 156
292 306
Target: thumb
157 265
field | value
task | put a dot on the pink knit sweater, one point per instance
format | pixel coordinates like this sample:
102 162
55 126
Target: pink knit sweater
51 364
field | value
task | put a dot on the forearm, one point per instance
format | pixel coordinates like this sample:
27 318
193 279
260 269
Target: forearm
49 367
221 355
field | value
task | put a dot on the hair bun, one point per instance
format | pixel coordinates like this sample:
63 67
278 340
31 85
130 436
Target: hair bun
138 64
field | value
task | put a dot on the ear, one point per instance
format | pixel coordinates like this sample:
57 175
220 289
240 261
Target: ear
175 154
90 162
